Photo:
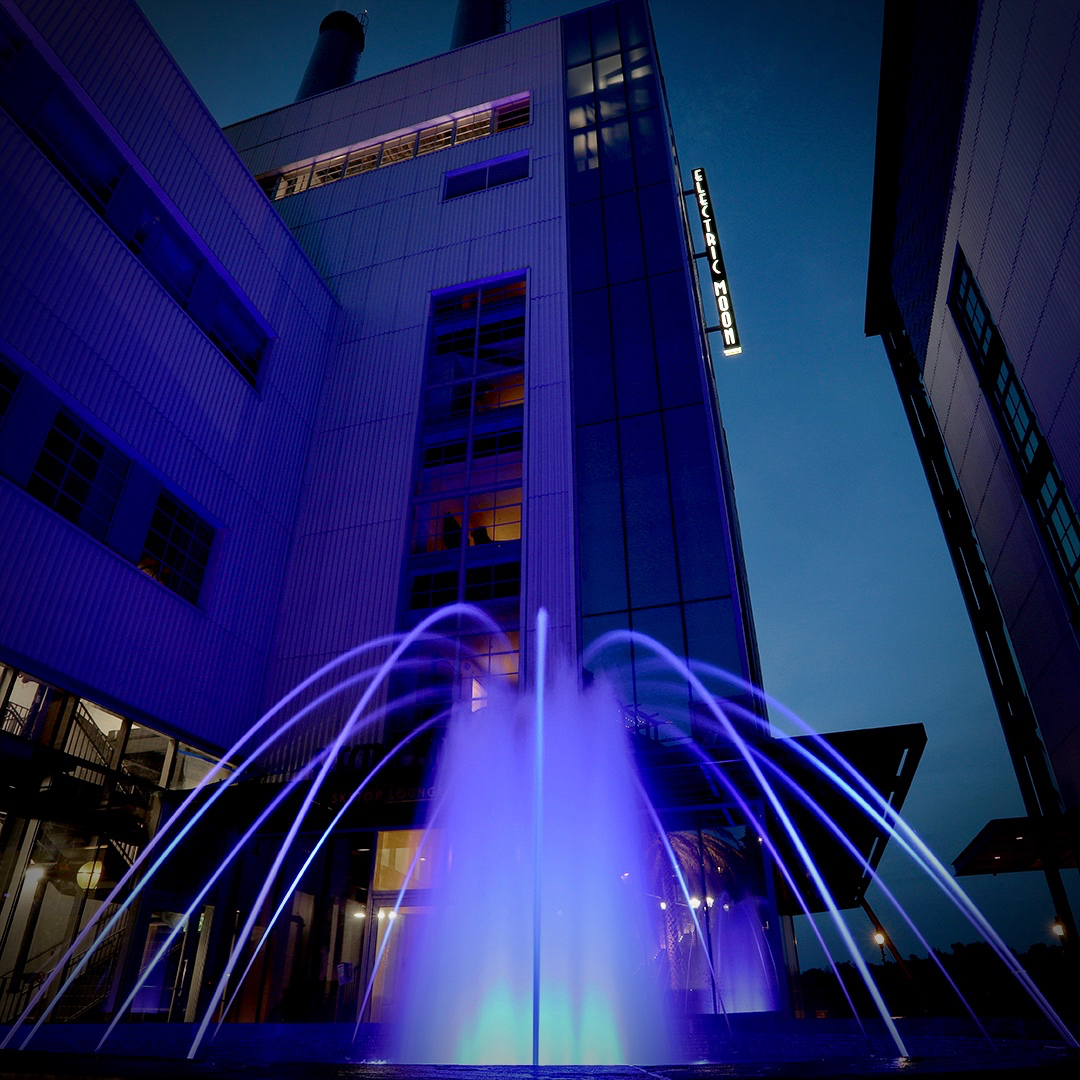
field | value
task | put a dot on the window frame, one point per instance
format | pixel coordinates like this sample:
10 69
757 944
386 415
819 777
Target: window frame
1040 480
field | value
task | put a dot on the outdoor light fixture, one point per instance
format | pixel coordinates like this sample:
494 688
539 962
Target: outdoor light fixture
879 940
1058 929
695 903
89 874
663 905
357 914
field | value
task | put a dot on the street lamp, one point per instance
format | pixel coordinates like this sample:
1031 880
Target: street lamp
879 940
1058 929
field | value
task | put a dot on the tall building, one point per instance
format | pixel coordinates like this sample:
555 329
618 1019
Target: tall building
269 394
974 268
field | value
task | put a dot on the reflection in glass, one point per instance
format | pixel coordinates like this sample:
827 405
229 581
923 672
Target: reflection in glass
397 850
488 661
586 153
725 919
641 85
610 95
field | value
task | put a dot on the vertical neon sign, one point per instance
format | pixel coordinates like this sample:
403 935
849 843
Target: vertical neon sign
721 291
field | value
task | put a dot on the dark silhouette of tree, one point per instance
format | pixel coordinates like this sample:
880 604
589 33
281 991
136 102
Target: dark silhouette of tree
979 974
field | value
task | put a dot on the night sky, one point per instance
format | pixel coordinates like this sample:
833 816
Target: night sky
859 617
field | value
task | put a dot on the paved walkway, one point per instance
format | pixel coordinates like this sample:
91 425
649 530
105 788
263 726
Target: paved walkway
42 1065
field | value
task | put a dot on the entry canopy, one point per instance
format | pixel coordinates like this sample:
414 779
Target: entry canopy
1009 845
688 795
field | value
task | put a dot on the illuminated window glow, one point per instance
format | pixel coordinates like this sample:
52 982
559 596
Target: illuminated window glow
426 138
177 547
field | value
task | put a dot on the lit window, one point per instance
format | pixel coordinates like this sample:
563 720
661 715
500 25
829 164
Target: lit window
494 516
78 475
473 127
400 149
425 139
435 138
177 547
488 661
586 150
326 172
292 183
361 161
473 520
500 393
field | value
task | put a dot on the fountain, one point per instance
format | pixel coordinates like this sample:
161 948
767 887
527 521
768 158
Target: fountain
470 972
546 931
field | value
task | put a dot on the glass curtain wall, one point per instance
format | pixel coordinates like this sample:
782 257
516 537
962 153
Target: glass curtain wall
466 507
654 550
81 789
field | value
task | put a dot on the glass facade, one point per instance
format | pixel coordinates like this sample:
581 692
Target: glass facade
652 536
362 908
655 555
466 506
81 795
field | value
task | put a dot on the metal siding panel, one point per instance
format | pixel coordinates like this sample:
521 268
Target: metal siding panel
386 240
112 340
1038 630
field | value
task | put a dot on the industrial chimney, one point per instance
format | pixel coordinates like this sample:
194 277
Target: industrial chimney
335 56
479 19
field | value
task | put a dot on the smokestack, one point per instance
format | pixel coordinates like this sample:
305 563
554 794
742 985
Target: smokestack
335 56
479 19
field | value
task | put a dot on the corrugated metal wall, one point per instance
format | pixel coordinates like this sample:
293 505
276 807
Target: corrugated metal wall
80 313
384 241
1013 212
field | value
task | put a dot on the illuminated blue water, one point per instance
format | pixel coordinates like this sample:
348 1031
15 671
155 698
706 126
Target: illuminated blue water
470 967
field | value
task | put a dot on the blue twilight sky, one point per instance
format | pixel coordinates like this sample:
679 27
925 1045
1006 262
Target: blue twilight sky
859 617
